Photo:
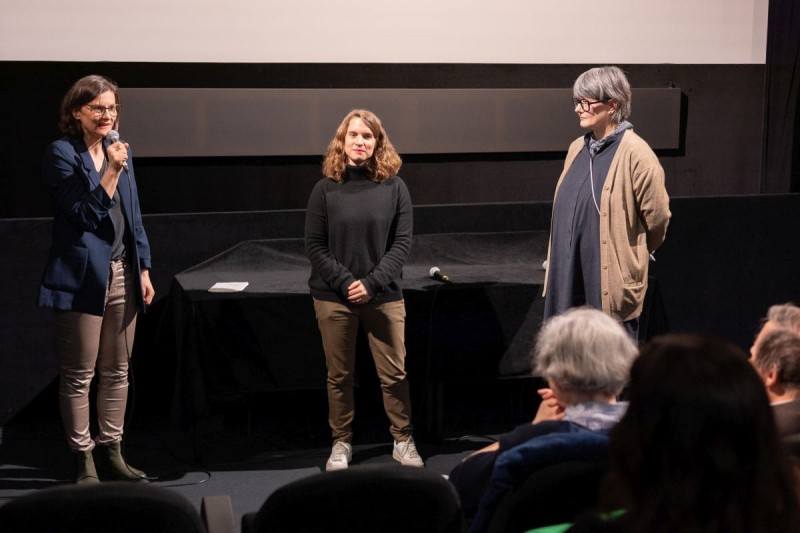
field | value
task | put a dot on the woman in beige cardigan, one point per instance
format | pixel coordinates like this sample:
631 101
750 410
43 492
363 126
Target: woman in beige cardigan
611 208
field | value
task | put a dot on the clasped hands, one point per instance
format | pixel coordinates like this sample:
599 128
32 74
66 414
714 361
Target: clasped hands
357 293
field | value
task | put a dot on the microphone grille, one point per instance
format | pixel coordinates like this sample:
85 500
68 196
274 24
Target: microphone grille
433 271
112 136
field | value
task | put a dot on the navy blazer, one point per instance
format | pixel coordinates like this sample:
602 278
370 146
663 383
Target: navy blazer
76 275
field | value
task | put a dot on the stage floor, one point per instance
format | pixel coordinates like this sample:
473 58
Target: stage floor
249 447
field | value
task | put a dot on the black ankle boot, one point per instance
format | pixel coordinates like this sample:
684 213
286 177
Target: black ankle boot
111 463
85 472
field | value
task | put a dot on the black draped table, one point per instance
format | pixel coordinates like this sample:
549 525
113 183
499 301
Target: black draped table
481 325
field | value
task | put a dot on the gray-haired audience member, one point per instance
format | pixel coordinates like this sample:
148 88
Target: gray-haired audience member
585 356
610 210
776 356
782 316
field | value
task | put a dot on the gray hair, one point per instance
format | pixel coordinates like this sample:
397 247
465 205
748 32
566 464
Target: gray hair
606 83
584 350
786 316
780 351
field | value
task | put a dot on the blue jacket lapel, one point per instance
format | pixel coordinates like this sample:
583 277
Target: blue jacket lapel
88 164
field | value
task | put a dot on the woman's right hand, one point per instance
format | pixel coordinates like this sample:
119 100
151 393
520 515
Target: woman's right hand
357 293
117 154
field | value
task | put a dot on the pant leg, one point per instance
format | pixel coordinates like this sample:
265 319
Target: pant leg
385 327
77 341
338 326
632 327
116 345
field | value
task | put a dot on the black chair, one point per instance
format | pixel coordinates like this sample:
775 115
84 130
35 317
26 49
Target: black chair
364 498
555 494
118 507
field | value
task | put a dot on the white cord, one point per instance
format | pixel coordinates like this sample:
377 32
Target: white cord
591 179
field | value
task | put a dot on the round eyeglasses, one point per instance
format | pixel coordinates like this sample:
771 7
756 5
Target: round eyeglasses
99 110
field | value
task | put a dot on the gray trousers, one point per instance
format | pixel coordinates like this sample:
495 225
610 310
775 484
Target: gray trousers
87 342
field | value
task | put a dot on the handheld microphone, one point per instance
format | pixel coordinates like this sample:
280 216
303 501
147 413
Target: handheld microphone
113 136
436 274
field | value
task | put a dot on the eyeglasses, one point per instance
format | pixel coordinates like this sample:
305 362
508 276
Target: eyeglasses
99 110
585 104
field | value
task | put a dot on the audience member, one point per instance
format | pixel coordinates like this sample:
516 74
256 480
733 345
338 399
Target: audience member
697 448
781 316
777 361
585 356
776 356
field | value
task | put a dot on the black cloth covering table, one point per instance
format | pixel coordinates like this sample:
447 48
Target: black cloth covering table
480 325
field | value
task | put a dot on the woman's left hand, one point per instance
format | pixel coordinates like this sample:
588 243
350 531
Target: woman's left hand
357 293
550 408
148 292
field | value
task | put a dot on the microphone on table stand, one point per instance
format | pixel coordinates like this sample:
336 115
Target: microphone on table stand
437 274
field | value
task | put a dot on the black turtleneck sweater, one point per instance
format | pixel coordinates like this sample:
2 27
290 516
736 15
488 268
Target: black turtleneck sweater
358 229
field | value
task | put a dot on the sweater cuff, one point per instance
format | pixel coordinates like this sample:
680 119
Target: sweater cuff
343 287
368 284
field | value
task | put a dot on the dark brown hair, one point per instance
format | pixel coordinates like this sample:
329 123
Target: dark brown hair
81 93
697 449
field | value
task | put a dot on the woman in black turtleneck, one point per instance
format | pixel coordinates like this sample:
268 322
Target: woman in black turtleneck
357 237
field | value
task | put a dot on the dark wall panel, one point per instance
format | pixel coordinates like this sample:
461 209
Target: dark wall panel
726 260
782 109
279 122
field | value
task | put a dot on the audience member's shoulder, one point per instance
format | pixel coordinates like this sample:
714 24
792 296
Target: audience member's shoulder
525 432
787 417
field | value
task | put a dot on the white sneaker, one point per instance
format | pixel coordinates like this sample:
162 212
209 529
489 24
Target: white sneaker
406 452
341 455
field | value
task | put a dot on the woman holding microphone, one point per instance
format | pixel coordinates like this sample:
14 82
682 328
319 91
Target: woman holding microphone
97 275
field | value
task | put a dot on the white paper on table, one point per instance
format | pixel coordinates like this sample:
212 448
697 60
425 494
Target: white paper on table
229 286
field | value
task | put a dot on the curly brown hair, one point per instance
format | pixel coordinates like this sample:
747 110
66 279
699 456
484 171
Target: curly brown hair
384 161
81 93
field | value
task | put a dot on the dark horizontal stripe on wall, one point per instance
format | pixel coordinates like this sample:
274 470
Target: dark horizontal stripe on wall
281 122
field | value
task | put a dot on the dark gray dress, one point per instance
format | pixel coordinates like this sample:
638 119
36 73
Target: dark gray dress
573 277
